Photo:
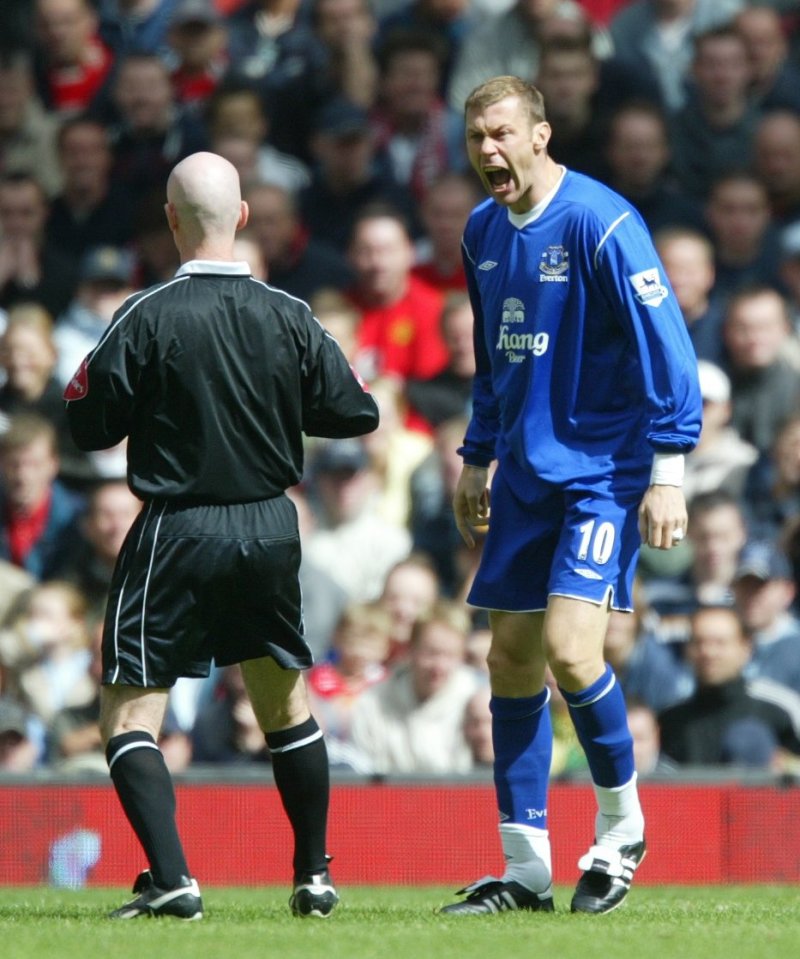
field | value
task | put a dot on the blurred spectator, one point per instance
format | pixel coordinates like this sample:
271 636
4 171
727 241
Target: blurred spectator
433 483
764 378
716 534
28 358
645 669
152 133
339 317
351 542
772 492
789 269
27 131
111 509
721 460
655 36
774 77
226 729
272 44
91 209
443 211
105 281
415 132
18 752
713 131
688 258
39 515
505 43
569 78
777 163
648 759
135 26
360 646
347 29
156 254
638 159
478 728
451 21
31 269
44 646
247 250
745 243
395 450
765 590
729 720
413 721
479 642
399 332
13 582
296 262
74 63
198 42
347 176
448 394
239 128
410 591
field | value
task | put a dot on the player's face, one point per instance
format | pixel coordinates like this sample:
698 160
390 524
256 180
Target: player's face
501 144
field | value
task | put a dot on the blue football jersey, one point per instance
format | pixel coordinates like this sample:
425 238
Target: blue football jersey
584 363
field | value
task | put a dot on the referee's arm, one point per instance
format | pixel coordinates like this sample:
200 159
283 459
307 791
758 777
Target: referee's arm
336 403
99 400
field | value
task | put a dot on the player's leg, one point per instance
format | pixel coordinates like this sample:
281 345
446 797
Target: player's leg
513 576
300 767
594 562
130 722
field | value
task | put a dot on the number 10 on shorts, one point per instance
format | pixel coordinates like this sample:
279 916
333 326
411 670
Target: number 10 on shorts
597 539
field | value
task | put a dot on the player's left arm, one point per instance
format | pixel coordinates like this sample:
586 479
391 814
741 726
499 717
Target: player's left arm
633 278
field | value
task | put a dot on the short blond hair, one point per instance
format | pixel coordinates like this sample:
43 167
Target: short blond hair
498 88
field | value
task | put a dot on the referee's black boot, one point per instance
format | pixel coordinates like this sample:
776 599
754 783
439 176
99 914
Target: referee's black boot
607 878
314 895
181 902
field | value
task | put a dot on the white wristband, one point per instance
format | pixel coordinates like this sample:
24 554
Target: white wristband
667 470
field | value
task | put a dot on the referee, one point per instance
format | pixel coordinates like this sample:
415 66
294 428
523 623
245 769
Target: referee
213 377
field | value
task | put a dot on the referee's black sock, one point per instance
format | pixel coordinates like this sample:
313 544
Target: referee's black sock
300 766
144 787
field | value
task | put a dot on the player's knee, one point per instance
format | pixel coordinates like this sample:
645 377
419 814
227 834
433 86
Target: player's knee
507 664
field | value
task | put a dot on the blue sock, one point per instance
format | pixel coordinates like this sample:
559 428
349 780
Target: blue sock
601 722
523 746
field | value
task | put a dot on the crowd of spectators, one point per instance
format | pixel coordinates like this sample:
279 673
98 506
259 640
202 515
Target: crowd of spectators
344 120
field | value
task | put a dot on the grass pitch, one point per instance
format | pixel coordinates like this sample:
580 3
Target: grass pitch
730 922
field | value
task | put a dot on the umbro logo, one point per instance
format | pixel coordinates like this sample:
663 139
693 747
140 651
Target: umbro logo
487 265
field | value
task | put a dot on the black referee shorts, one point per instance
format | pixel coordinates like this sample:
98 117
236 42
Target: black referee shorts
200 583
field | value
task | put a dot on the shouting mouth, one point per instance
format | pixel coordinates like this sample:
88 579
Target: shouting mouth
498 177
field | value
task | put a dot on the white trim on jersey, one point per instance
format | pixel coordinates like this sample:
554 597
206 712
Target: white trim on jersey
606 235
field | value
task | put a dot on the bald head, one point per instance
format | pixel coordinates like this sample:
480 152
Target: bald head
204 203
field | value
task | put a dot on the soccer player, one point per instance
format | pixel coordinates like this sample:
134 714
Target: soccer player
213 376
586 395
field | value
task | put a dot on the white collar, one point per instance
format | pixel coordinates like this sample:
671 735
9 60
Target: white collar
521 220
218 267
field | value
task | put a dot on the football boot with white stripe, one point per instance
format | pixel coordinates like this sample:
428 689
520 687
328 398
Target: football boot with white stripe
608 874
490 895
314 896
181 902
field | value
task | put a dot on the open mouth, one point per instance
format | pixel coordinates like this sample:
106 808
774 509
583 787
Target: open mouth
497 176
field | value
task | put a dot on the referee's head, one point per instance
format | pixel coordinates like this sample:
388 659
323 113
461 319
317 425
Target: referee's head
204 207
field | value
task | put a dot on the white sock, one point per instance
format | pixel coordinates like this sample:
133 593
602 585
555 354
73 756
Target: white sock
527 854
619 820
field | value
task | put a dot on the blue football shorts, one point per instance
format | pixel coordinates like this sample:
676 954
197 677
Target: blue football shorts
578 540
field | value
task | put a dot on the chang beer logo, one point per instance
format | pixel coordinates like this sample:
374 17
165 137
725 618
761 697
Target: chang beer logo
517 345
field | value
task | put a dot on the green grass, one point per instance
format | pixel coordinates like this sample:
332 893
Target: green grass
731 922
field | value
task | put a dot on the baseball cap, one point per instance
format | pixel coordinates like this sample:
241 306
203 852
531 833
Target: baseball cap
763 560
106 264
341 456
714 383
195 11
12 718
342 118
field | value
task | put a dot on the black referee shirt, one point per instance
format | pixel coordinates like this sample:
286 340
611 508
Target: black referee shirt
213 376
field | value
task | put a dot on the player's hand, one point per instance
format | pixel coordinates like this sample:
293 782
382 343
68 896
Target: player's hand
471 502
662 517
